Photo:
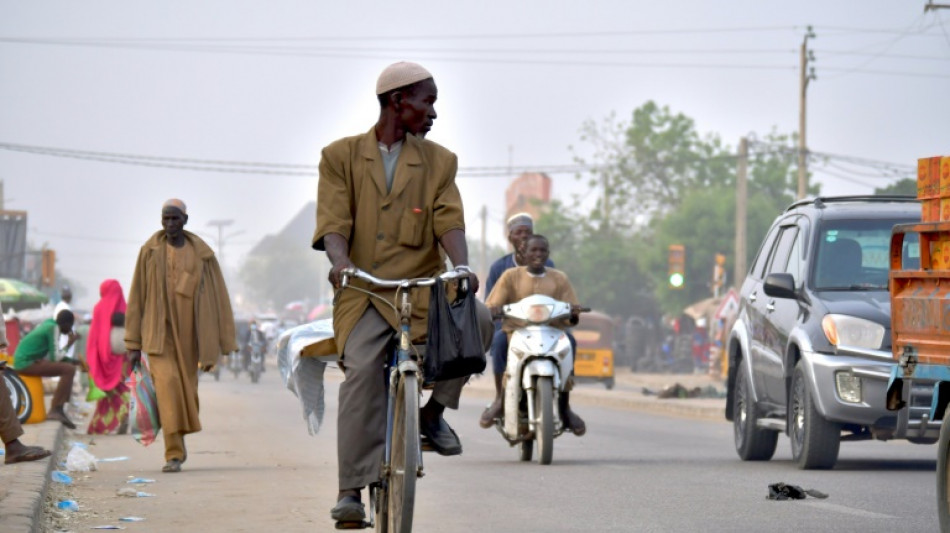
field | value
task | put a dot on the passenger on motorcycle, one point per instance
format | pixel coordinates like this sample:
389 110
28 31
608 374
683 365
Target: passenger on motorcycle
523 281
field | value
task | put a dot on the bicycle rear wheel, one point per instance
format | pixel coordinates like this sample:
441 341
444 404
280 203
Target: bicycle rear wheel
19 395
404 462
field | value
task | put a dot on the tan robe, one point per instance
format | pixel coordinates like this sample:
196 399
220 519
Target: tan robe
175 371
175 294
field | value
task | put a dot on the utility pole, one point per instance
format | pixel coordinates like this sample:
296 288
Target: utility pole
220 224
742 169
806 74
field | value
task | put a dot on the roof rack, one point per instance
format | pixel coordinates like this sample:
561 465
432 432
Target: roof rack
821 201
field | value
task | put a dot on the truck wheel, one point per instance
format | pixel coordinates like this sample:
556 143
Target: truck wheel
752 443
815 441
943 494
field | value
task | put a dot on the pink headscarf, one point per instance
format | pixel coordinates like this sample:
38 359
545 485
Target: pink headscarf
105 367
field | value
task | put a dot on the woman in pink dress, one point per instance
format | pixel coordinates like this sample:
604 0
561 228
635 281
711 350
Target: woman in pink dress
107 361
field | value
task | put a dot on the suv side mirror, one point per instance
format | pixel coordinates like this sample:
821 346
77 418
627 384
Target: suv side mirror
780 285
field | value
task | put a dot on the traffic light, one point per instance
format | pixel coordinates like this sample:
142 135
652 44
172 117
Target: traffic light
677 270
48 268
719 273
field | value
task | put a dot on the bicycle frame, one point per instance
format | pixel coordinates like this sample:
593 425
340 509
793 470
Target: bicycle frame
399 364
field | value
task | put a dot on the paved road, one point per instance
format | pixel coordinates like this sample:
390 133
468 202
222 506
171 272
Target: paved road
255 468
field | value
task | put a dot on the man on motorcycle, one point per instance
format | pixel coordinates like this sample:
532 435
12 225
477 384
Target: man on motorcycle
521 282
520 227
253 338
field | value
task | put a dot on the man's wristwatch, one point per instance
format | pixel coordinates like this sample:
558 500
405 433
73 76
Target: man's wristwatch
464 268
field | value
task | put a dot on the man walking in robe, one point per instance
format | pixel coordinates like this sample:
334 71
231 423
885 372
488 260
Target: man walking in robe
178 290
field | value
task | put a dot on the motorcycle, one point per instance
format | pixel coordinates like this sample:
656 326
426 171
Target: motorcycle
539 363
255 365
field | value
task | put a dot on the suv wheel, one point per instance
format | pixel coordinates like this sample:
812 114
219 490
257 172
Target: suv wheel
752 443
815 441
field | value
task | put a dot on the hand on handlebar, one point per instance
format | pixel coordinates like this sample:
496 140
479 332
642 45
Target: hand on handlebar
336 273
472 278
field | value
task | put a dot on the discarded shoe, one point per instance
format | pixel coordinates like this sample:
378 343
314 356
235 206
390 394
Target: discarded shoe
781 491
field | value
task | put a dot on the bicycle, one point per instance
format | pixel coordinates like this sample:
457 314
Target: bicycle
19 393
392 498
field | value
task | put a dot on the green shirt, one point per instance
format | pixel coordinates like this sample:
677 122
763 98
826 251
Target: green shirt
36 345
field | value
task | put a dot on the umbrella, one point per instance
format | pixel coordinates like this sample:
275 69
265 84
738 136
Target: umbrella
17 295
318 312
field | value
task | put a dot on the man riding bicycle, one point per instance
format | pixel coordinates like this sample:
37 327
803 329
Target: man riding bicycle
386 203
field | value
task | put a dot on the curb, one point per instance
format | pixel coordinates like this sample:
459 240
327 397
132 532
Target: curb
23 486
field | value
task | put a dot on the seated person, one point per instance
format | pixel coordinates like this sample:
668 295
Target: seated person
30 359
10 428
523 281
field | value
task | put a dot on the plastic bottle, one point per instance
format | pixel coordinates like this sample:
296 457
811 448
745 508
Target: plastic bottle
68 505
60 477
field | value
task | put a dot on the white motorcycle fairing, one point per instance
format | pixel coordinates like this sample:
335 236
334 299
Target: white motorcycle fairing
534 351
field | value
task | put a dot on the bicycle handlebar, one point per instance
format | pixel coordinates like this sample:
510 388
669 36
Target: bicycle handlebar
398 283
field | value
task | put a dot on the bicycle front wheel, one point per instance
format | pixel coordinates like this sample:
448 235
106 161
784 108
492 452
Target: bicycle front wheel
404 462
19 395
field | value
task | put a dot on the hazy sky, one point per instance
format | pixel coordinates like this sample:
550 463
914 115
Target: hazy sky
273 82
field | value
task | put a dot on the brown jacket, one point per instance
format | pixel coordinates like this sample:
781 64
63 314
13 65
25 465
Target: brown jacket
147 305
392 235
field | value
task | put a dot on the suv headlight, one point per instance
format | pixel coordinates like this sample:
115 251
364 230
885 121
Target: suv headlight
844 330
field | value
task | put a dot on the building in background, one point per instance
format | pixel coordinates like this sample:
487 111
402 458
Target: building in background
528 193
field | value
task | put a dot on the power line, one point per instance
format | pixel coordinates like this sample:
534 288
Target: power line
255 167
371 38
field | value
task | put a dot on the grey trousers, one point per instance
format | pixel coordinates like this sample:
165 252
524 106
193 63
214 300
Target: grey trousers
361 421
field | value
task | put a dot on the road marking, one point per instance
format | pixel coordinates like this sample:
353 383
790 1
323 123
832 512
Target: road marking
849 510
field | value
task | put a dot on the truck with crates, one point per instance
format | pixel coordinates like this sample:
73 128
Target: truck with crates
919 286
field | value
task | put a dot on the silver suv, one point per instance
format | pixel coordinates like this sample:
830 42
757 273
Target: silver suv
810 351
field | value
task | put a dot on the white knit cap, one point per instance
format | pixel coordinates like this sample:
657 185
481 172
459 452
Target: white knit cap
176 203
399 75
520 219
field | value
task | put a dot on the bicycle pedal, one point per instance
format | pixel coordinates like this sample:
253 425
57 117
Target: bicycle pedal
363 524
425 445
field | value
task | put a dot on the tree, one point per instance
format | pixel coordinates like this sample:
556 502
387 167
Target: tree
904 187
663 183
600 261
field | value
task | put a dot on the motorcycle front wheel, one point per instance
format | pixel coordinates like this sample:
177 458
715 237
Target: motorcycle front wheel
544 426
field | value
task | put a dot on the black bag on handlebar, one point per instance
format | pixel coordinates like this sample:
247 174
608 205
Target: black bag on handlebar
454 344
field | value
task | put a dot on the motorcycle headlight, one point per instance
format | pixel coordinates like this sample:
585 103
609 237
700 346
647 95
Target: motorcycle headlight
539 313
844 330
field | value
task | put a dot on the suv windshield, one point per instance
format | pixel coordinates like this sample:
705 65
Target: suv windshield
854 254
